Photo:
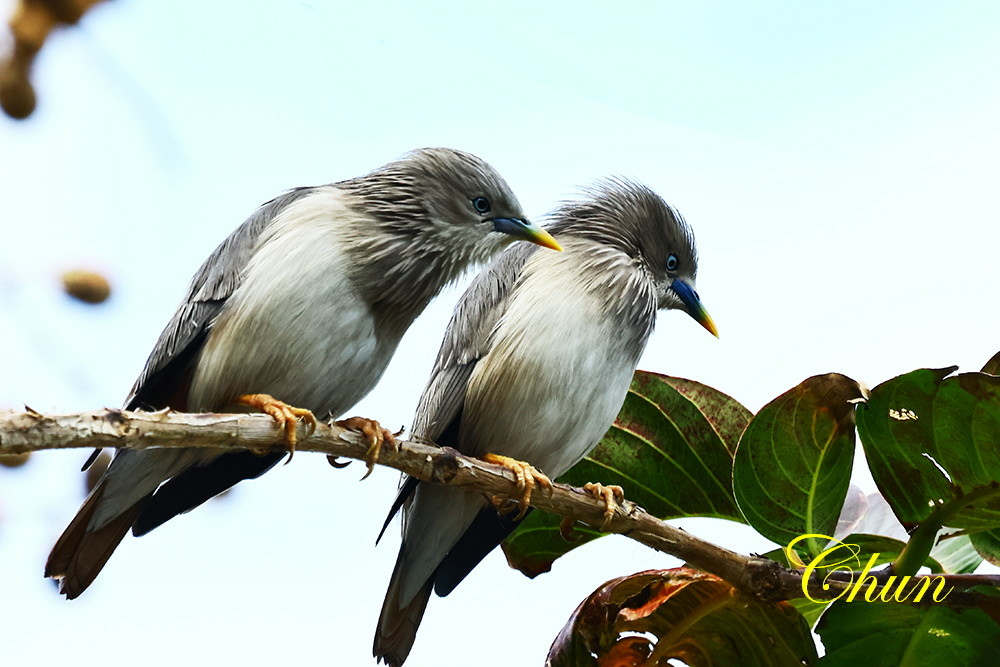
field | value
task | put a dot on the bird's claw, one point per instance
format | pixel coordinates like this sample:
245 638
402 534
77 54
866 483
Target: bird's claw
612 495
286 415
376 436
527 477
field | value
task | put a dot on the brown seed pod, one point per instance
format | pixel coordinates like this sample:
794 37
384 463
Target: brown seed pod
14 460
86 286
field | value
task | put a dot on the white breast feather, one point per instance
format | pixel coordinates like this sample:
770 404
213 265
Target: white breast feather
548 390
296 327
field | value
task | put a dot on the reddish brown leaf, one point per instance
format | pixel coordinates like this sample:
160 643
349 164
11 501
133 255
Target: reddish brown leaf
626 652
680 614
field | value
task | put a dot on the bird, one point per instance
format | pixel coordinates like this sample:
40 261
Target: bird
534 366
305 301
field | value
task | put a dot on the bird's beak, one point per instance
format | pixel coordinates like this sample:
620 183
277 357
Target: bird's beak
693 306
524 230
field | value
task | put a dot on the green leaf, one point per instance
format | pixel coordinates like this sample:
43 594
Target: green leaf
993 365
811 611
895 449
793 465
957 555
933 446
692 616
987 545
671 450
891 635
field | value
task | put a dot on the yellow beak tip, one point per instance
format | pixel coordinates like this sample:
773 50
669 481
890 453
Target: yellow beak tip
546 240
705 320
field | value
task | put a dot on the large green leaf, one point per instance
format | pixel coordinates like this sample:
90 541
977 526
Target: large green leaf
933 446
671 450
793 465
902 635
683 615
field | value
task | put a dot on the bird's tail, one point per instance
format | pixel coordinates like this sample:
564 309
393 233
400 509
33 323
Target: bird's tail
81 551
399 620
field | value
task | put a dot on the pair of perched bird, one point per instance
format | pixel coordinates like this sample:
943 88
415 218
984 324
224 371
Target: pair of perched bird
308 299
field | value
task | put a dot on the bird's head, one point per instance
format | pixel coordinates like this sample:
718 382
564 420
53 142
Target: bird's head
635 220
469 205
670 253
427 217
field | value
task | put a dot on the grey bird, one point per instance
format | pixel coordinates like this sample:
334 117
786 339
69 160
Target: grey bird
305 301
535 365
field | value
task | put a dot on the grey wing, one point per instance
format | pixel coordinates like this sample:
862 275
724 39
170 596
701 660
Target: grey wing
168 368
467 340
163 382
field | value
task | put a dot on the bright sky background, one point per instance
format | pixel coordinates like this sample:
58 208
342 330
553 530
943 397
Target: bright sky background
838 162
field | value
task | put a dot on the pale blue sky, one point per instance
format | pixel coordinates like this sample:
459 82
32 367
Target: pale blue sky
838 163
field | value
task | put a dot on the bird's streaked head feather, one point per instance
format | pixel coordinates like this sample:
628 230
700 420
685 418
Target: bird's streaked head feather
448 200
632 219
434 213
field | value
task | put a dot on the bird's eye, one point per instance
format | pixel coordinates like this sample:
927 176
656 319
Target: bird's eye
481 204
672 263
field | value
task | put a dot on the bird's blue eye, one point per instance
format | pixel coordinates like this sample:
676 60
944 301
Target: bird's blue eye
481 204
672 263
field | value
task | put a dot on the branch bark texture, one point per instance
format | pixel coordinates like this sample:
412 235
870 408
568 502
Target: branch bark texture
30 431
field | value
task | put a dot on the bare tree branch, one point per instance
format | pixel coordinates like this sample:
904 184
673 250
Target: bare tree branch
761 578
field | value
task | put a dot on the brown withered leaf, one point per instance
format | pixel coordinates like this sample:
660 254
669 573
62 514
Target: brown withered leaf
627 652
680 614
993 365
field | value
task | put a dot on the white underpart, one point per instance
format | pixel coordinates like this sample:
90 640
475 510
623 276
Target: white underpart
271 337
546 393
296 317
557 376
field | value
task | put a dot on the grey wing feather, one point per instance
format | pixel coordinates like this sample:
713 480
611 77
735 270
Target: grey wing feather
466 341
134 474
214 282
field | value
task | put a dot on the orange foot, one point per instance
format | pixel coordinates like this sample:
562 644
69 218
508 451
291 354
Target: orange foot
527 478
612 496
376 436
286 416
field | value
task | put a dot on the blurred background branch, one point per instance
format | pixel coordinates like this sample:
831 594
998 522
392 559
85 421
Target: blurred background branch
31 23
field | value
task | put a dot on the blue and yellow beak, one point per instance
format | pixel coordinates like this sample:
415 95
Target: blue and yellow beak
525 231
693 305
